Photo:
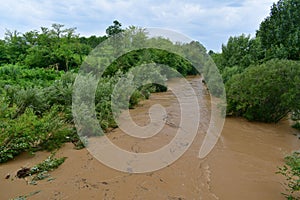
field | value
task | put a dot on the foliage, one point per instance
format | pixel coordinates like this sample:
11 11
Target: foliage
291 171
55 48
103 102
36 118
237 51
28 132
40 98
27 78
143 56
137 82
114 29
40 171
37 74
104 94
14 47
280 31
136 38
91 42
238 54
267 92
47 165
258 86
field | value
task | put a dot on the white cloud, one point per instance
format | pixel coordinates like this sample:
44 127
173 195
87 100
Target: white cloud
210 22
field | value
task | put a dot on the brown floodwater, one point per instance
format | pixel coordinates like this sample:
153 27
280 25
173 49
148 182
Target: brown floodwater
242 165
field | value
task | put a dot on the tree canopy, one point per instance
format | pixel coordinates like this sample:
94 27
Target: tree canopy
280 32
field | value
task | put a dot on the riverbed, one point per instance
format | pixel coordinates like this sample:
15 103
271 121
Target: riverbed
242 164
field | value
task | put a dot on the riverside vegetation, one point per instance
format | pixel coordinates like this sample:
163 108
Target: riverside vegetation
262 76
38 69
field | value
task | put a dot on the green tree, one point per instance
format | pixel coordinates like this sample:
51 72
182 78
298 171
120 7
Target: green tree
31 38
114 29
58 46
239 53
280 32
15 46
236 51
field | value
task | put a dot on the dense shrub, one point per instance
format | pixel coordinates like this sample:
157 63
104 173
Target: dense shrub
267 92
26 78
29 132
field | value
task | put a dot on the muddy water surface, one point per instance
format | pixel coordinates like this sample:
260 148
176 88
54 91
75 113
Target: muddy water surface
241 166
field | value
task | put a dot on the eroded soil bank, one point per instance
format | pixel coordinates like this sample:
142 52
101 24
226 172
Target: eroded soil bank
241 166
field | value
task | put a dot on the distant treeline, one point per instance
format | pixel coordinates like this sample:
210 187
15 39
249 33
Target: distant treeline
55 47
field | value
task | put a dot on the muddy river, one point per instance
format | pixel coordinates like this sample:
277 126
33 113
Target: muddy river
242 165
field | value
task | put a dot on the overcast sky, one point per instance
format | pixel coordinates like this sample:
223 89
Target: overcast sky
211 22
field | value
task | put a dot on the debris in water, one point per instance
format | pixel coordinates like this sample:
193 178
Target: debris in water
22 173
7 176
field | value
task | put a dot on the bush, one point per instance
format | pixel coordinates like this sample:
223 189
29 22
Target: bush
267 92
29 132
